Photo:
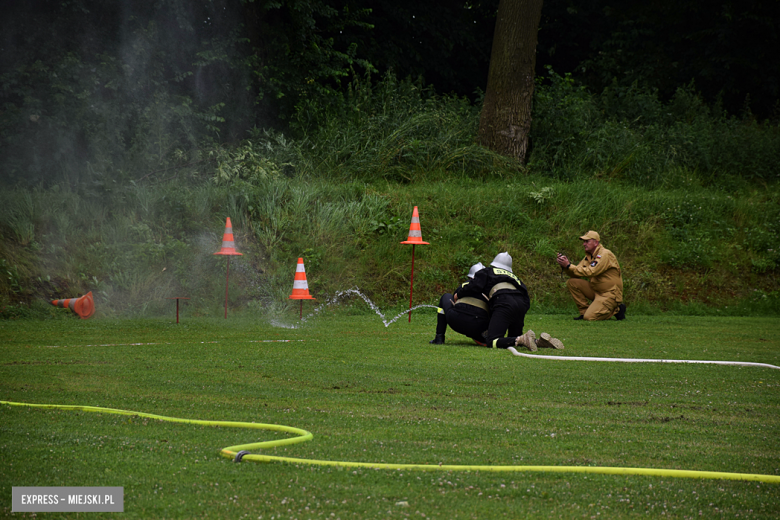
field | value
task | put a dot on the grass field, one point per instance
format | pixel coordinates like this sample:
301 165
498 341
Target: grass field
382 394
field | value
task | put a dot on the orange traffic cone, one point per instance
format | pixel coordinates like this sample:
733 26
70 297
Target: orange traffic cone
415 237
228 244
300 285
228 250
83 306
415 234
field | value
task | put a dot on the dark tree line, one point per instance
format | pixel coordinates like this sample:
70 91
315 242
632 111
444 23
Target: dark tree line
725 47
124 84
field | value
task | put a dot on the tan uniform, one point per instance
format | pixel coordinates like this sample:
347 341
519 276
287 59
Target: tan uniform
605 288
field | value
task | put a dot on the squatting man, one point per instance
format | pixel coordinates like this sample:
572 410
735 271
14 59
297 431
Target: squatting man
601 296
492 303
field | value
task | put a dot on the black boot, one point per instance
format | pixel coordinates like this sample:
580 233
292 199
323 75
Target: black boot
621 314
438 340
580 317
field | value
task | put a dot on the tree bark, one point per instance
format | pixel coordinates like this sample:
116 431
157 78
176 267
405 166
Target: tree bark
506 114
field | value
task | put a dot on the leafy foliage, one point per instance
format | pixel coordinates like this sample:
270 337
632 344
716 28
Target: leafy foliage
94 92
250 160
303 50
725 48
628 133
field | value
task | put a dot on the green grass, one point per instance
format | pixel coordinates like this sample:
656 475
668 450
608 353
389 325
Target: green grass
375 394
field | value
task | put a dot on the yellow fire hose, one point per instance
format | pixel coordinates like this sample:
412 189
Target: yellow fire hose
241 452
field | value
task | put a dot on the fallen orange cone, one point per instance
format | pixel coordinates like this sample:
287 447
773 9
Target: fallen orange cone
84 306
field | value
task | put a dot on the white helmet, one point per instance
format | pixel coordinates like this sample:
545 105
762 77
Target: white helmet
502 261
474 268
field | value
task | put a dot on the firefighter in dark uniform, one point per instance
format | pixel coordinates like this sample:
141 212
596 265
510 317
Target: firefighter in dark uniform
469 316
508 302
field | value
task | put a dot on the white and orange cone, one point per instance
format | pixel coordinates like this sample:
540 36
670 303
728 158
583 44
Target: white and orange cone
228 244
228 249
301 286
414 238
415 233
84 306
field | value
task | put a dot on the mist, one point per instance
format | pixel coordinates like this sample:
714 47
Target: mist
110 112
103 92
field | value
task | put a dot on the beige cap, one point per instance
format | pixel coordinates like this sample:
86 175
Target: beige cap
591 235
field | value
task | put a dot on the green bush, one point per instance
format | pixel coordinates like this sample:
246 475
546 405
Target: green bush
628 133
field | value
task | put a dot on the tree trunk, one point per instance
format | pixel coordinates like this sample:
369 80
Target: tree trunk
506 114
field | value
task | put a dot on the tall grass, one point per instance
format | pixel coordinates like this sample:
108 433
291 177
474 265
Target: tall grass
681 246
650 177
394 130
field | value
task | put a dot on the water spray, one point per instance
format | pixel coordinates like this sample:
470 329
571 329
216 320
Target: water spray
356 292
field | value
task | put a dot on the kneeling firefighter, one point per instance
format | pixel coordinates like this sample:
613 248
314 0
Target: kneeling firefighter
508 302
468 316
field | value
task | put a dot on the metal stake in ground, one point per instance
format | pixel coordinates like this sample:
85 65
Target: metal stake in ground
415 237
177 298
228 249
